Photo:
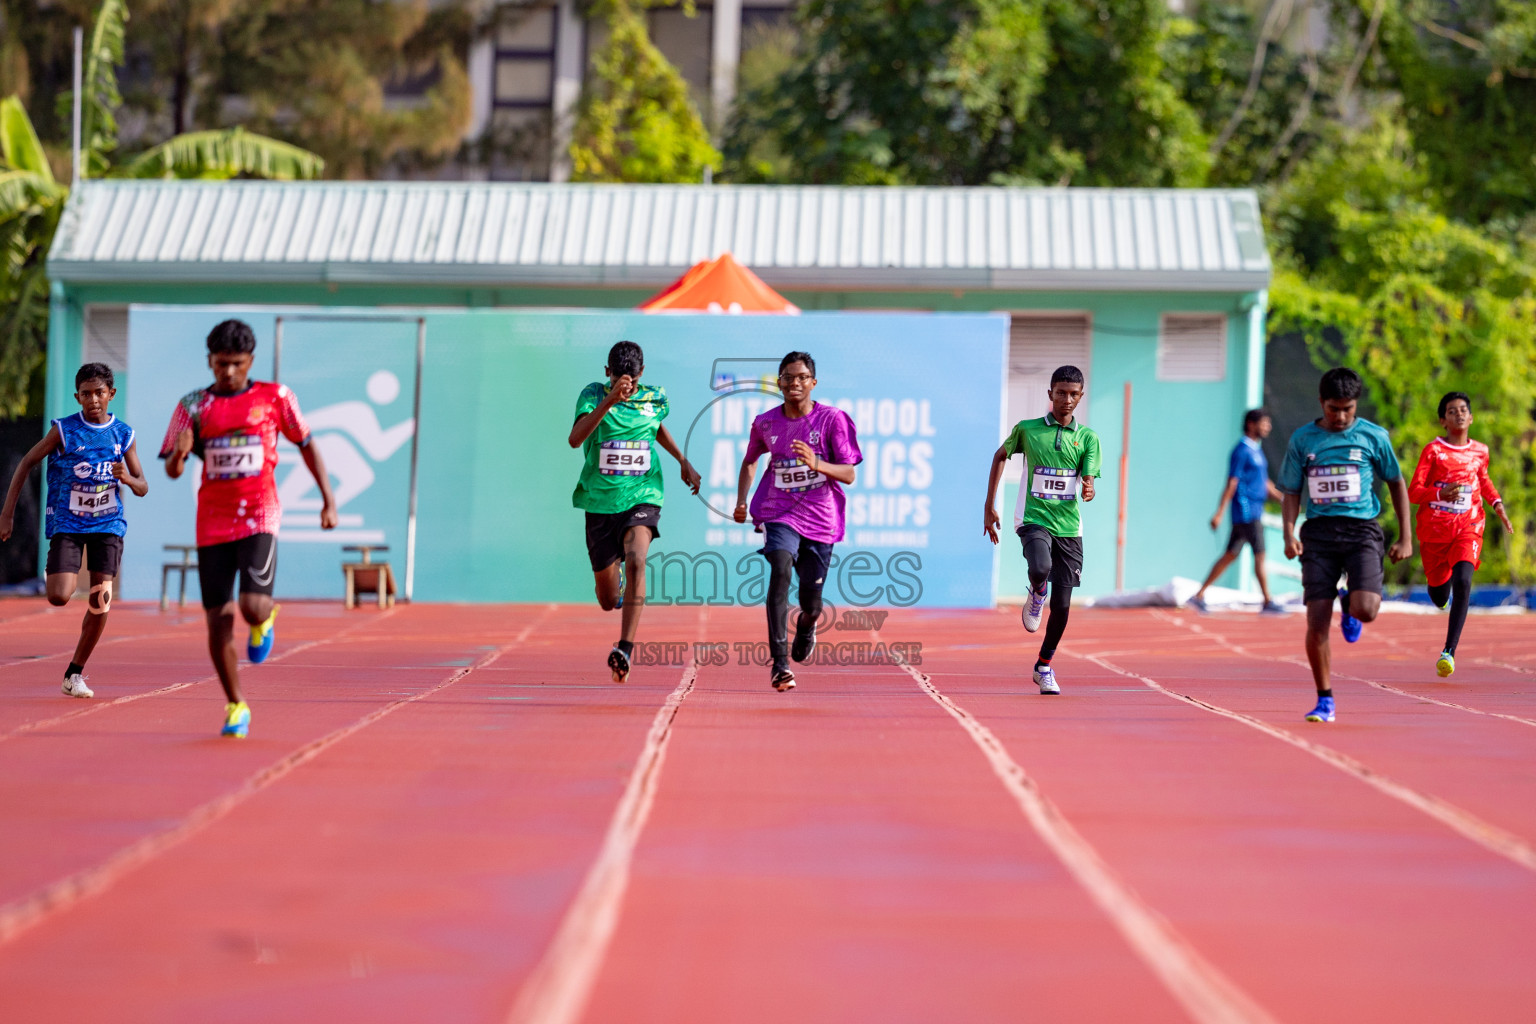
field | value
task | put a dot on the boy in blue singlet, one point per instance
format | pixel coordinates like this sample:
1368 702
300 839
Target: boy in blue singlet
91 456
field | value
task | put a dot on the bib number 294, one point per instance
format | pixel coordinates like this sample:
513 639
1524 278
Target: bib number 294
624 458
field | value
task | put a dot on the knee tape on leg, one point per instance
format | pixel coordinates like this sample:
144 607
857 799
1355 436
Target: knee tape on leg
105 590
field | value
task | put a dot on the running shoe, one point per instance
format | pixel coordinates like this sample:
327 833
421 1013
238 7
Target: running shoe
262 638
1198 604
1348 624
618 661
805 638
782 678
74 686
1045 678
1445 666
1272 608
237 720
1323 712
1034 608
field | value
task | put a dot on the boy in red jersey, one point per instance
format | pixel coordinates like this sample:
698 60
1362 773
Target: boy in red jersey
1449 486
233 427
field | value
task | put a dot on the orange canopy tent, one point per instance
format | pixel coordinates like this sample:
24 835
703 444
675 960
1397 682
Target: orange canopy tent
719 285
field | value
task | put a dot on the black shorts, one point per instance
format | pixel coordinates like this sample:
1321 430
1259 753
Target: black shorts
253 559
605 532
1332 546
1060 557
103 553
1251 534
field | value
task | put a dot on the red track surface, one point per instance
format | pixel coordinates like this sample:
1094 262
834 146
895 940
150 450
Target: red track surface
450 814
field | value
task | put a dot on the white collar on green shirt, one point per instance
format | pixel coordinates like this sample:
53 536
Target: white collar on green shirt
1051 421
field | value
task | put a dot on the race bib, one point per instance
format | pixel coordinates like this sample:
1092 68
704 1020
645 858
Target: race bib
1050 484
92 500
794 475
1329 485
1463 502
624 458
234 456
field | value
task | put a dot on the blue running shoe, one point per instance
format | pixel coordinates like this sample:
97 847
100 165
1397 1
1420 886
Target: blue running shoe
1348 624
1034 608
262 638
1198 604
1272 608
1323 712
237 721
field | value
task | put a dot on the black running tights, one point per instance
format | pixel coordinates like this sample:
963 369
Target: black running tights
1037 553
1061 607
780 564
1458 589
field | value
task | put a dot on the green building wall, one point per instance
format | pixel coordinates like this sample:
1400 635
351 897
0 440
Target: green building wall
1181 433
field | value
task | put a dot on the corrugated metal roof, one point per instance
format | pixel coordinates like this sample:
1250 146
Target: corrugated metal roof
490 234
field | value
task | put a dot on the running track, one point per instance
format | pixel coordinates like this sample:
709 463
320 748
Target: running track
449 813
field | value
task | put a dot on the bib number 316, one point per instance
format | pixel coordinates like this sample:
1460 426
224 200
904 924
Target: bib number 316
1329 485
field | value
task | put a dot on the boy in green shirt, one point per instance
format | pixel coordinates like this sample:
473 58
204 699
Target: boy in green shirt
1058 453
617 427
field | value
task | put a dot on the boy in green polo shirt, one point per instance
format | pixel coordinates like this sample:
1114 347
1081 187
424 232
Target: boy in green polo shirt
1059 454
617 426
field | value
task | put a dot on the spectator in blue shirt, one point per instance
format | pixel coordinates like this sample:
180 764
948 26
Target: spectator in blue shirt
1247 489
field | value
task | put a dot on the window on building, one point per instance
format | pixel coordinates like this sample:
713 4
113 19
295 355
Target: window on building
687 44
524 68
1038 343
1192 347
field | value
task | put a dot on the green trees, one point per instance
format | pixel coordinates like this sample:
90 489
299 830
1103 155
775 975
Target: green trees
32 200
635 121
1015 91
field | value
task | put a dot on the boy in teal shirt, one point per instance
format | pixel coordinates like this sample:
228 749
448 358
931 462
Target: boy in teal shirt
1060 455
620 488
1332 465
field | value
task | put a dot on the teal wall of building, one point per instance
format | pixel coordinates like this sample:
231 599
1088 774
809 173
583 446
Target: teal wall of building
1181 432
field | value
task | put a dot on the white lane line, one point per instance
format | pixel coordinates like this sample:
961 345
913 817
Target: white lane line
559 987
23 914
1204 992
1491 837
1426 698
95 706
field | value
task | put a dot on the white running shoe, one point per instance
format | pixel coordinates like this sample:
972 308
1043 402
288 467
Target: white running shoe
1045 678
74 686
1034 608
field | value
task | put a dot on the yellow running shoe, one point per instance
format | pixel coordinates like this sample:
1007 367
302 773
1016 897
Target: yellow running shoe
237 720
1446 665
262 638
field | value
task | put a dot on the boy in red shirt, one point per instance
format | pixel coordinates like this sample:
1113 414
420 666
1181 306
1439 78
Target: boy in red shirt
1449 486
233 427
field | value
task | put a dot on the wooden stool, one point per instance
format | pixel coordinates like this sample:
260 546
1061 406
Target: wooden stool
183 567
368 576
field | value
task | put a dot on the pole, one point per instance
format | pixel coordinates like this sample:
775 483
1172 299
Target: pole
277 351
1125 474
410 515
77 164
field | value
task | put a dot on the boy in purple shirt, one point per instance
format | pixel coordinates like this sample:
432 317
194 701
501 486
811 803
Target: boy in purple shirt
799 506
